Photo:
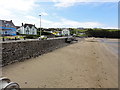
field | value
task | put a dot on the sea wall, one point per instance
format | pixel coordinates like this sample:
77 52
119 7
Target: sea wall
22 50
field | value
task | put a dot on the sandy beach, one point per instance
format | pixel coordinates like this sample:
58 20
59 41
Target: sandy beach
86 64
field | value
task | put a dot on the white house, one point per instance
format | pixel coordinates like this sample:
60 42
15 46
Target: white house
65 32
27 29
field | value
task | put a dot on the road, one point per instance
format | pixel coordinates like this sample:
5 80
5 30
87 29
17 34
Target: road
86 64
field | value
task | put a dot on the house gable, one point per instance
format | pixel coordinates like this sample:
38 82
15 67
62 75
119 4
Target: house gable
65 32
28 29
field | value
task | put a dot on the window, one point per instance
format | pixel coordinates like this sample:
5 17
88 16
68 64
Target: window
27 31
33 33
7 25
5 32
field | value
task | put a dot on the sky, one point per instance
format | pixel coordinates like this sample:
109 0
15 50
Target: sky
62 13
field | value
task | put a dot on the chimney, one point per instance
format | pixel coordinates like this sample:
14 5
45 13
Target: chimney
22 24
10 20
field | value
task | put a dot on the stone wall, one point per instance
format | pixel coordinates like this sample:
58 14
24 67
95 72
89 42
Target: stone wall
22 50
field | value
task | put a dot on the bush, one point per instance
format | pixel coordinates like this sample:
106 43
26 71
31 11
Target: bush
30 36
103 33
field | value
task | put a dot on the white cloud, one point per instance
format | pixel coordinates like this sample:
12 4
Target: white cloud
68 3
64 23
13 8
30 17
4 12
22 5
65 3
21 12
71 23
61 23
44 13
110 27
16 9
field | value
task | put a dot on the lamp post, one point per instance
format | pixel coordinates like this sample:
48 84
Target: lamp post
40 25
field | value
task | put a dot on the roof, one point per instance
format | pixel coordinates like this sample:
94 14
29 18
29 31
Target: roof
17 27
30 25
6 23
65 29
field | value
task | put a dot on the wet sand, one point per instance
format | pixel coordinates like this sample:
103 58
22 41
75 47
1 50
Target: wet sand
86 64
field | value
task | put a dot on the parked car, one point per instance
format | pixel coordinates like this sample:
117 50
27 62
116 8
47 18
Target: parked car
42 37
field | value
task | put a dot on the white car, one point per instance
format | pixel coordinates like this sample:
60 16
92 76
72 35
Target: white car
42 37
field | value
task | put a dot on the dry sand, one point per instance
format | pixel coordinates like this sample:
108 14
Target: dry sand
87 64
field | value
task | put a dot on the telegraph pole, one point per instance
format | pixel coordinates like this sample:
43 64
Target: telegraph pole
40 25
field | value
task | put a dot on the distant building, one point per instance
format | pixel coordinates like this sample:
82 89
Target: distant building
65 32
58 32
80 28
48 30
27 29
81 33
7 28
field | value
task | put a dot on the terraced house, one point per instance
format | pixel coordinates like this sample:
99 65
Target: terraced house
27 29
7 28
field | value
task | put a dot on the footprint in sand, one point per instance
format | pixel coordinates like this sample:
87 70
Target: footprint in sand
98 80
25 82
94 53
97 57
44 86
99 85
22 67
105 78
71 78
